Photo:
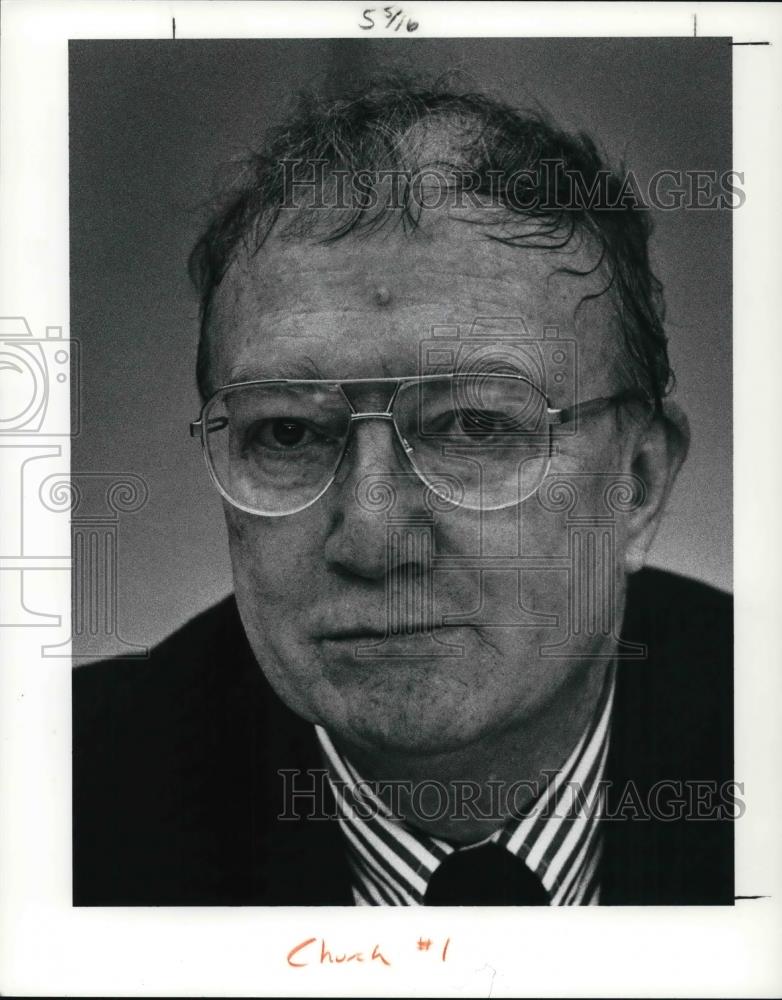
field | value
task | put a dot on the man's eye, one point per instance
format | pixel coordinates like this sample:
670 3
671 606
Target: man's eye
474 423
281 434
288 432
480 422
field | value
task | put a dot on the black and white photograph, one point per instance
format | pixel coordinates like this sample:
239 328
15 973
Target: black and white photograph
402 499
434 363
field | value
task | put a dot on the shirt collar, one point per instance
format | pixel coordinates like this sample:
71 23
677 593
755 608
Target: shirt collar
557 837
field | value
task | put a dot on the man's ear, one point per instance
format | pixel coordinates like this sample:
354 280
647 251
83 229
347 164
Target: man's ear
660 448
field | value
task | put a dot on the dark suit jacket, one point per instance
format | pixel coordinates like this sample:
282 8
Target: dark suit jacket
176 761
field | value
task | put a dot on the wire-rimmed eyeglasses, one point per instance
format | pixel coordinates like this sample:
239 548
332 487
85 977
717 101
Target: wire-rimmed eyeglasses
483 441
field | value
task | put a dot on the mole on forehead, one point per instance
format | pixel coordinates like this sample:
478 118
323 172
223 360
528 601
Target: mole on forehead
382 295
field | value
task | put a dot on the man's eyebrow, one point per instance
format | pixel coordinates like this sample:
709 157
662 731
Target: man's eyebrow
299 368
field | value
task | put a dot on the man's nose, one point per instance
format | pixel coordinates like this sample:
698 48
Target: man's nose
375 484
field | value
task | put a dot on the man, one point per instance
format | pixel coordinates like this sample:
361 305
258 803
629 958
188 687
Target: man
433 377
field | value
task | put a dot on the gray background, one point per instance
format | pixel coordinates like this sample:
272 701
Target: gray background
151 126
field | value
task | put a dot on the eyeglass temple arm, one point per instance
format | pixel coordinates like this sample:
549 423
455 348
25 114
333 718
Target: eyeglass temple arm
215 424
591 406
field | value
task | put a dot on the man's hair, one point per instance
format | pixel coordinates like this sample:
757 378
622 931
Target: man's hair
532 185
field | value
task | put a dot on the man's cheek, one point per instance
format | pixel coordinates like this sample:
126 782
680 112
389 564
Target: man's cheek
256 572
261 548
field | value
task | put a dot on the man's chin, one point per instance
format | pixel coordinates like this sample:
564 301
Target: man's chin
400 705
380 703
416 728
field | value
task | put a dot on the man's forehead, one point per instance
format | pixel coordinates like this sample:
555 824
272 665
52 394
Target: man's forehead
454 260
381 295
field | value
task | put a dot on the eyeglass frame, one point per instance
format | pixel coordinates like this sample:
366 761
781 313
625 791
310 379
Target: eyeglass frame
555 416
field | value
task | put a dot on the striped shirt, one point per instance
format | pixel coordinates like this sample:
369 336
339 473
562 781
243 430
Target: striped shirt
557 837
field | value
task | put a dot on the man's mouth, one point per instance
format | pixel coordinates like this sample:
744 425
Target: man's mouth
350 633
368 634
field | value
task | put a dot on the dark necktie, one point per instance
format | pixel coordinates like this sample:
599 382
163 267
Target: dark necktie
484 876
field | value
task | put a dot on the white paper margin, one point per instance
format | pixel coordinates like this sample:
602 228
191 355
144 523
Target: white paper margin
49 948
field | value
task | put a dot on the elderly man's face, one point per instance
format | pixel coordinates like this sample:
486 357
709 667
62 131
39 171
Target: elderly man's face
314 586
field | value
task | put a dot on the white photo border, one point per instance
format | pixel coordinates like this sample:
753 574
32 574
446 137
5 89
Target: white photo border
47 946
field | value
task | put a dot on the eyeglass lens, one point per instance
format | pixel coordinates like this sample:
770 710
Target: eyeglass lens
479 441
